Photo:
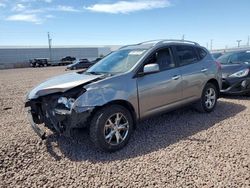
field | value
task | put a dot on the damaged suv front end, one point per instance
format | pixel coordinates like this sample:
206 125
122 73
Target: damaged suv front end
66 102
55 103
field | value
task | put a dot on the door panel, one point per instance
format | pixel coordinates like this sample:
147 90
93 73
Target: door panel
193 71
193 78
157 91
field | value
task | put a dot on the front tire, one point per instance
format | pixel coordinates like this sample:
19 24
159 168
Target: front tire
208 100
111 128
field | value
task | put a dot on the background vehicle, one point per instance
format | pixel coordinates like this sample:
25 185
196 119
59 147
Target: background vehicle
235 72
80 64
130 84
216 55
38 62
67 60
97 59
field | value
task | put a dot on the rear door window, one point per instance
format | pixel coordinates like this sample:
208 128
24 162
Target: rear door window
186 55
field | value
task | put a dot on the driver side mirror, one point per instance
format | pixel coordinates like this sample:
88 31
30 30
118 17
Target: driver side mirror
151 68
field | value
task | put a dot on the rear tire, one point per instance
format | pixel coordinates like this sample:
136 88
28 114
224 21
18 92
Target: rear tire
208 100
111 128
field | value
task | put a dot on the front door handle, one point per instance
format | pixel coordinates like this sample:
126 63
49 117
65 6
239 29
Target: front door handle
176 77
204 70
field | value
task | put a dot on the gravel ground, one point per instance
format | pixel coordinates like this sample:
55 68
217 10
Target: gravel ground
178 149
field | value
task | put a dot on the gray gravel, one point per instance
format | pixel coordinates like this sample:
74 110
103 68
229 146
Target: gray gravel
178 149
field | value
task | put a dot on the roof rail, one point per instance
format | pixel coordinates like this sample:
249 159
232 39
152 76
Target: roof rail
127 46
150 41
161 41
178 41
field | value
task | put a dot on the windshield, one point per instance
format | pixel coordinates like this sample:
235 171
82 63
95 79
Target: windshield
216 55
224 59
117 62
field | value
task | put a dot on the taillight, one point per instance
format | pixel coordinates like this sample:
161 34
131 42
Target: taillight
218 64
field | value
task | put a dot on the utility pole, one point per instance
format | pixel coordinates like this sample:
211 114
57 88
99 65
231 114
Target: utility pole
238 41
248 40
49 41
211 44
207 45
183 37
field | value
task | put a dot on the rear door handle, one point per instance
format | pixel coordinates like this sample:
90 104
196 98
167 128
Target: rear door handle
176 77
204 70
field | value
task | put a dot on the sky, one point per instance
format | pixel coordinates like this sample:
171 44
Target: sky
114 22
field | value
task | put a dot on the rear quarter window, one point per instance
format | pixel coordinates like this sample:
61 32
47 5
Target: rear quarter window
202 53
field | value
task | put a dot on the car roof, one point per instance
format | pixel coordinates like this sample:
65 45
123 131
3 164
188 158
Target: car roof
238 51
153 43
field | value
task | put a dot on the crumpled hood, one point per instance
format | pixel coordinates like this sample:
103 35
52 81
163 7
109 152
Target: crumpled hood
60 83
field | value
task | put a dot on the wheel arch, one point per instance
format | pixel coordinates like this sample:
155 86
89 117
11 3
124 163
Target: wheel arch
215 83
124 104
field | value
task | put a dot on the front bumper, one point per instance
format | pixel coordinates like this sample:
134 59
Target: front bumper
235 86
57 120
35 127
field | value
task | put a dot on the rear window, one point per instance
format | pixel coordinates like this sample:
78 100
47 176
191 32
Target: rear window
186 55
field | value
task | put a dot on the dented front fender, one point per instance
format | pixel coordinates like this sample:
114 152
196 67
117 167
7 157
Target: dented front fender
106 91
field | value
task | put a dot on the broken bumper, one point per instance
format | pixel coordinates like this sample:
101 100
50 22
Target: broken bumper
35 127
57 120
236 86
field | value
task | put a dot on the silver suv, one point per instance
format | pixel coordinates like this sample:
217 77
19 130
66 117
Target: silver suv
130 84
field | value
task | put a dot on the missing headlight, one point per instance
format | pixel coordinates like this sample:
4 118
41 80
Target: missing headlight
67 102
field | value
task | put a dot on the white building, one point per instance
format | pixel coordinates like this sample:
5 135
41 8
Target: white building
22 55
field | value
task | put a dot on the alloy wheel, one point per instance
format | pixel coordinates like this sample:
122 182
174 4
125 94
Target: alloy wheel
210 98
116 129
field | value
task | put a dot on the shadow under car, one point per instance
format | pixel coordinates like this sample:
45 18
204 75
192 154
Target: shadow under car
151 135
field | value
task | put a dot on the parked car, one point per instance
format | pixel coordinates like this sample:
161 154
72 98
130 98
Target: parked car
235 72
217 55
97 59
80 64
38 62
67 60
131 84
